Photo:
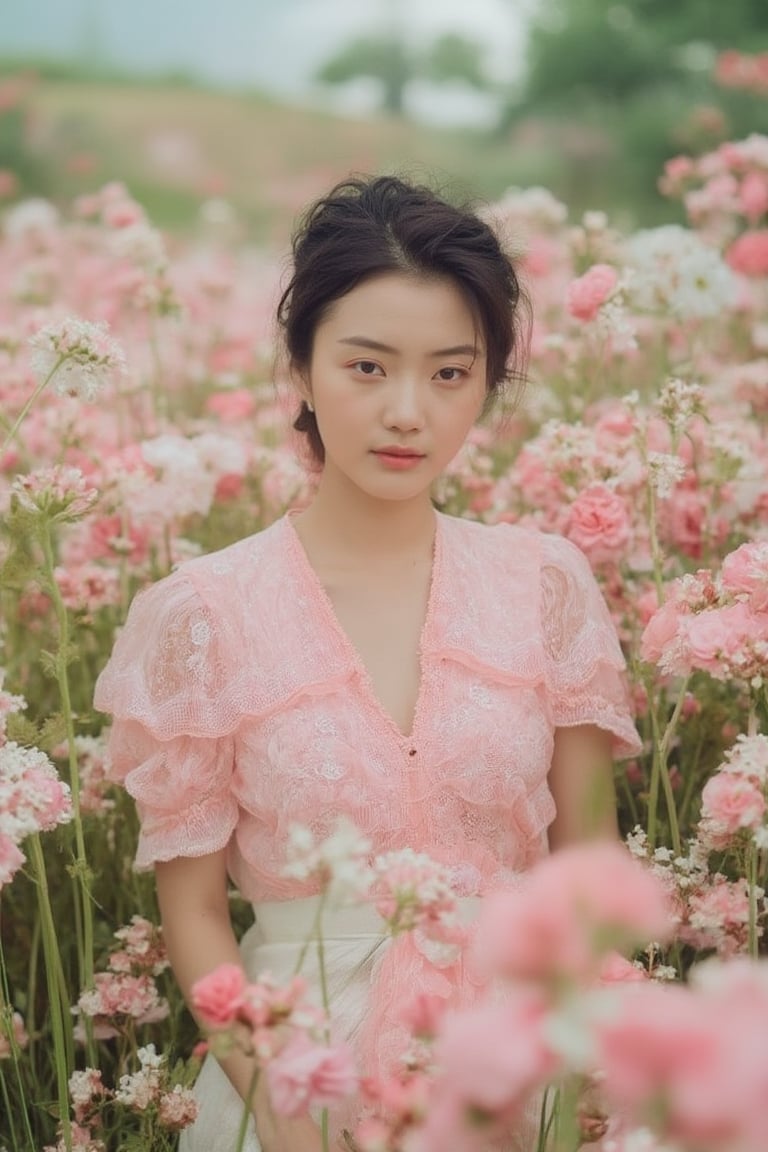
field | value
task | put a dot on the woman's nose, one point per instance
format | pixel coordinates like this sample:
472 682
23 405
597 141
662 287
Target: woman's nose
404 406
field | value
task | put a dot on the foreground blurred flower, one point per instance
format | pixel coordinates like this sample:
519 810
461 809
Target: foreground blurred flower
304 1075
573 908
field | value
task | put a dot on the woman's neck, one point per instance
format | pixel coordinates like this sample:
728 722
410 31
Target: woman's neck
349 526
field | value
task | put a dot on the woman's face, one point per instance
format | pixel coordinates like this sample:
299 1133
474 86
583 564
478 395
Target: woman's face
397 379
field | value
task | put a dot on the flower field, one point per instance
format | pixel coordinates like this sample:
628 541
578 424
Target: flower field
144 419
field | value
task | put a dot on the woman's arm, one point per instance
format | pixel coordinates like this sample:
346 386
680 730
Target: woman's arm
197 928
581 783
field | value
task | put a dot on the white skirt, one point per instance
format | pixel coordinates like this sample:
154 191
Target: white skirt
352 944
354 947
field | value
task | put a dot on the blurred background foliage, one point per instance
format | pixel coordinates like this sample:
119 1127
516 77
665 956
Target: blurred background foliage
607 92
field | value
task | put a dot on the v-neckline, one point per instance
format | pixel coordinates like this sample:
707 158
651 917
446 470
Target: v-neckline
405 739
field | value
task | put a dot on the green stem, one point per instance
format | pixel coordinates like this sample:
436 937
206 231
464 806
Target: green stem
243 1129
752 882
7 1011
660 773
22 415
656 553
59 1011
82 868
318 932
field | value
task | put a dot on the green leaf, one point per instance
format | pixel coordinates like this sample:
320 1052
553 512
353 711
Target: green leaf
22 730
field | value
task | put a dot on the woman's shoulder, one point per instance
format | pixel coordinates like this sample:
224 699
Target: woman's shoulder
512 542
217 578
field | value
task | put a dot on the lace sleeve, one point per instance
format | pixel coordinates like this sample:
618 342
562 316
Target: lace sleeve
586 671
171 742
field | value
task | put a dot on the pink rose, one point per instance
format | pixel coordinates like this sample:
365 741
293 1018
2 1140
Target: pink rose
746 571
730 802
661 632
599 523
303 1075
749 253
714 637
753 195
218 996
589 292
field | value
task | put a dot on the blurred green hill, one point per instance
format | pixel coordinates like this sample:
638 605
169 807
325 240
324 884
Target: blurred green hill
179 146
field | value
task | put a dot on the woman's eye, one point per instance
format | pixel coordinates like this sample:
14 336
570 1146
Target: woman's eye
451 375
367 367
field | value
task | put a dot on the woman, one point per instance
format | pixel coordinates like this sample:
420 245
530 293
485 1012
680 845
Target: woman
448 686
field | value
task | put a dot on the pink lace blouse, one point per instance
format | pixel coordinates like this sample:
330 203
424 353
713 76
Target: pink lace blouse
240 706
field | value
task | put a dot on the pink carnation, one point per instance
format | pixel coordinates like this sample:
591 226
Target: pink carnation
218 997
599 523
491 1060
749 253
730 803
589 292
573 907
745 571
303 1075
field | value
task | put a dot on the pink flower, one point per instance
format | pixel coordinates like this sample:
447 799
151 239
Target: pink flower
753 195
11 859
661 632
231 407
491 1060
716 639
599 523
749 253
745 571
17 1031
574 907
218 997
616 969
730 803
304 1075
79 354
588 293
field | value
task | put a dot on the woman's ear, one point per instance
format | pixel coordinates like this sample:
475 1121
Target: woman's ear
300 384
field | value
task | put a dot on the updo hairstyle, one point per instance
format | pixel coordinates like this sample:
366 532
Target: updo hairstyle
367 227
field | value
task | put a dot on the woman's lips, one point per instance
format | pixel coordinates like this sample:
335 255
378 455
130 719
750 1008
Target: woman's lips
399 459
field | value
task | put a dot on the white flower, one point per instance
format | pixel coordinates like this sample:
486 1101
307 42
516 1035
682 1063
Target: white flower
340 862
31 218
664 472
674 270
79 355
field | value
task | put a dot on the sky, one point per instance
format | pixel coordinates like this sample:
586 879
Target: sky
275 45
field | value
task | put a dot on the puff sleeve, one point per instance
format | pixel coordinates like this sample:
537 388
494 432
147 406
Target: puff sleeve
585 667
171 743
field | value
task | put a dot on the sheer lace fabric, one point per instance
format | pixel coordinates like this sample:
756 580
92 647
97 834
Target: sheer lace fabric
240 707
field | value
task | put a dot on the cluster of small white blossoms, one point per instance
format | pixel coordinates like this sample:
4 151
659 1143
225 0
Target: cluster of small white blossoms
675 271
80 356
680 400
665 472
32 799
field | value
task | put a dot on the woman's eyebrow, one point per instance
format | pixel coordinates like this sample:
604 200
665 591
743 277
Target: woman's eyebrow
377 346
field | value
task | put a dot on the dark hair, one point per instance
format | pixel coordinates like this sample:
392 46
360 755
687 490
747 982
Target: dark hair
367 227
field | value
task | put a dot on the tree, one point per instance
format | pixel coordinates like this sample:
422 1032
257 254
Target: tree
390 60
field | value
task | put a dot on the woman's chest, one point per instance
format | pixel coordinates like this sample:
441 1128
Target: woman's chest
383 623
